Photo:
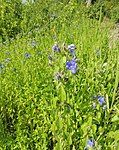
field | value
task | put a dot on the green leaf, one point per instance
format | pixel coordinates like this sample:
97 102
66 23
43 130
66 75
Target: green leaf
115 118
94 128
62 62
62 93
114 135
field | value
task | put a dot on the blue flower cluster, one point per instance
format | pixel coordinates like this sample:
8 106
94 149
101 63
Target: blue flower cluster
101 101
71 65
56 48
72 48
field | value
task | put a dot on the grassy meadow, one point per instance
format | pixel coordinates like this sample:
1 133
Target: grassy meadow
59 79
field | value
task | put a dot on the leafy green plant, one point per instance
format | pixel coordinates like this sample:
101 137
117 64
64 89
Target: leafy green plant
59 81
10 18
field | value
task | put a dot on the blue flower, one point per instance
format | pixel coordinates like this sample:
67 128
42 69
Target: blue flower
72 48
56 48
27 55
101 100
71 65
90 143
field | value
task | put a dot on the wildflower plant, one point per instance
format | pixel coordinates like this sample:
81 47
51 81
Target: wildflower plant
42 105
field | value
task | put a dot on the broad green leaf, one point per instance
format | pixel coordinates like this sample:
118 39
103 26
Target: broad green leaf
62 93
115 118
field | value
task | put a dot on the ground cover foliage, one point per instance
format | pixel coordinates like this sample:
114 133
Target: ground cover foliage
59 78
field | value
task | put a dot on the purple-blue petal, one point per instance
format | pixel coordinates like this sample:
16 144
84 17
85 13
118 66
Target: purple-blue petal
71 47
90 143
71 65
73 71
101 100
56 48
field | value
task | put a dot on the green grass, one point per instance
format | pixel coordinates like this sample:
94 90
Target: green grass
39 112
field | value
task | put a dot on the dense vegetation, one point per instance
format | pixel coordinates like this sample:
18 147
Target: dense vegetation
59 75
